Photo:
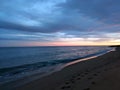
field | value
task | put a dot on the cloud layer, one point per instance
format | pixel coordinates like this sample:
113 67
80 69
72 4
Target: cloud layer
58 20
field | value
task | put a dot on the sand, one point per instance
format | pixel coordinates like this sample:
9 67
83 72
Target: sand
101 73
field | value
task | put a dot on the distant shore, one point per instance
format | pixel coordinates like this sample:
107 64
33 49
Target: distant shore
101 73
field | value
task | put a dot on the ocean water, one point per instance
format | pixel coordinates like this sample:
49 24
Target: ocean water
18 62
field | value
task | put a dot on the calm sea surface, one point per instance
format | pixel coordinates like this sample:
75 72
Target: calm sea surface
17 62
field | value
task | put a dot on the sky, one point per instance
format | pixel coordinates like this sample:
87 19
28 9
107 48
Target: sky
59 22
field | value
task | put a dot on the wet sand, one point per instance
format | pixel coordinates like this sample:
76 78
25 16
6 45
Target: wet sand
101 73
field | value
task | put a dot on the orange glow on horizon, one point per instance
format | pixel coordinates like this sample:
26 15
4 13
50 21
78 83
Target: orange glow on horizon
63 43
75 43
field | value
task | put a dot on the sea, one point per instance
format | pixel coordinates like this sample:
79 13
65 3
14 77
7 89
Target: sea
20 62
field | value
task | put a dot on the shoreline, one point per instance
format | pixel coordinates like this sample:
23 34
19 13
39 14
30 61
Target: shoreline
56 68
88 58
57 79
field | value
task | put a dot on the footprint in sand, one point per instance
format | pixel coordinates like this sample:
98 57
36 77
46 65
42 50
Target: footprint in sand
90 78
86 73
65 87
72 81
98 72
78 75
86 89
93 82
105 69
82 75
95 74
73 76
67 82
78 78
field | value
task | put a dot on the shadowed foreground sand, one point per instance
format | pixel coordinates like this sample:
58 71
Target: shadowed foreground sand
101 73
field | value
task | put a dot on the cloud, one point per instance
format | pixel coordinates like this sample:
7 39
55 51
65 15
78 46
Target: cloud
49 16
52 20
101 9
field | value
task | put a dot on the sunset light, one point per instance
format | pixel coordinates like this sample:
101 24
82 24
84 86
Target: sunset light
59 22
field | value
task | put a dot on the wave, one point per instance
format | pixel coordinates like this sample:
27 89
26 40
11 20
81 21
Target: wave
31 67
17 72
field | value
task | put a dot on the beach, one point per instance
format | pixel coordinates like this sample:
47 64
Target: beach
100 73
